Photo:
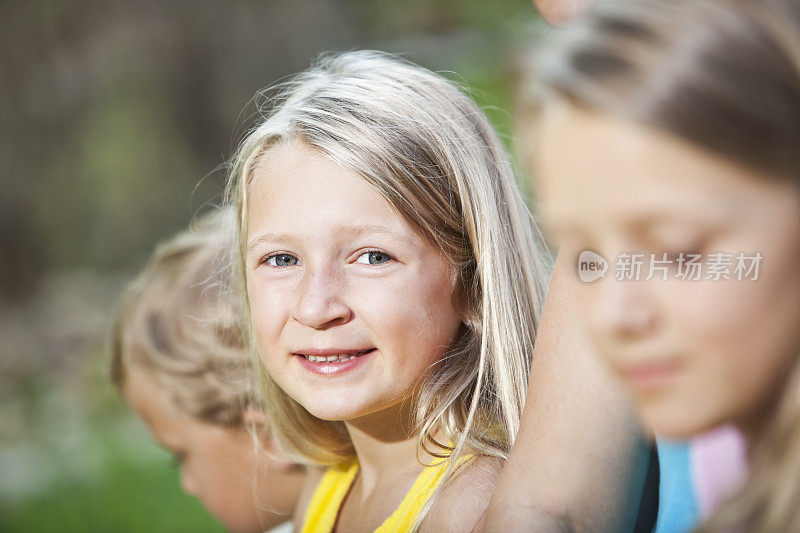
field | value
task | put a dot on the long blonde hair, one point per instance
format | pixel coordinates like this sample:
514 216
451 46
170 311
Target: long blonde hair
723 75
428 149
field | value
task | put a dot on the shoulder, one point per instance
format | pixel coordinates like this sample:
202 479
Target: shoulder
463 501
312 479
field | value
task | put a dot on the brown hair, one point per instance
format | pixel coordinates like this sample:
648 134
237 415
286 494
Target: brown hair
723 75
176 323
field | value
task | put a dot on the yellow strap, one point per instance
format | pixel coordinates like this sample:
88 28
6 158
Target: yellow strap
410 508
332 489
323 509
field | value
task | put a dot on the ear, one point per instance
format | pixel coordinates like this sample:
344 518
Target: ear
258 423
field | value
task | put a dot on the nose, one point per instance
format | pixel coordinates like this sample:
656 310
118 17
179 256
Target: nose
621 310
320 304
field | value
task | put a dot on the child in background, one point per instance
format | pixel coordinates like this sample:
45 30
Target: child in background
671 129
690 478
181 362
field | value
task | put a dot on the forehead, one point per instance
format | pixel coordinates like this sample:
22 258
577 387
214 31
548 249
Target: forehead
587 163
151 404
296 187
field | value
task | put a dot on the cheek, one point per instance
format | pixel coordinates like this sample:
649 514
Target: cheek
268 313
419 317
208 481
740 336
712 316
226 473
738 316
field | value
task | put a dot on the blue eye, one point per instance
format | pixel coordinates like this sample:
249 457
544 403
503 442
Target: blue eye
373 258
282 260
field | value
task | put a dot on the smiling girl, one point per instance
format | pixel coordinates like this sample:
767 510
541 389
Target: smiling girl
672 128
393 283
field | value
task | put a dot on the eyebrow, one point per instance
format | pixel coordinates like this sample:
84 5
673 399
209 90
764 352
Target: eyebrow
653 219
642 223
267 237
354 229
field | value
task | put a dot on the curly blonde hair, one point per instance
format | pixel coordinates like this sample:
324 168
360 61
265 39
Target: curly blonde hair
176 323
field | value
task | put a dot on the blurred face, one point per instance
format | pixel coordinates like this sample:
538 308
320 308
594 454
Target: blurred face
695 353
350 307
220 466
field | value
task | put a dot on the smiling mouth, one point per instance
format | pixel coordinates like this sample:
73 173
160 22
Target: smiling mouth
649 375
335 357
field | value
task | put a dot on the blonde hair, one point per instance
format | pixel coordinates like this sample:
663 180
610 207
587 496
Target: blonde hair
177 324
723 75
428 149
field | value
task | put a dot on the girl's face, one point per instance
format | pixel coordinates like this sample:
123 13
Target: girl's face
350 307
246 489
695 353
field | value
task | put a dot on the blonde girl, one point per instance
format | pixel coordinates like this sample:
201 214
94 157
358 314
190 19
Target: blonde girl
393 283
179 358
671 129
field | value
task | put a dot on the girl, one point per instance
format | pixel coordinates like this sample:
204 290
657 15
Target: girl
670 133
179 359
393 283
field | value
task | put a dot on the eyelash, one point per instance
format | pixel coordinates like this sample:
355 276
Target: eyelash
265 260
390 258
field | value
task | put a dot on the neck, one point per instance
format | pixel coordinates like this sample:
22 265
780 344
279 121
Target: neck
385 444
750 431
755 422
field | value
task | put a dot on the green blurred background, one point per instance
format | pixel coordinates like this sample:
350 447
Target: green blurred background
115 119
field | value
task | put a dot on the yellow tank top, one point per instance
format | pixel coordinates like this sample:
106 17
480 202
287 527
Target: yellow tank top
329 495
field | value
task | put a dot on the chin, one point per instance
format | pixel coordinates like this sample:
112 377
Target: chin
331 415
348 406
334 409
678 423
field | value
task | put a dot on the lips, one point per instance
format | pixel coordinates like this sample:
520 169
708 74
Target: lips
651 374
333 362
334 355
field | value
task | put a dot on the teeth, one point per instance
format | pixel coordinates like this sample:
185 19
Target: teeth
330 358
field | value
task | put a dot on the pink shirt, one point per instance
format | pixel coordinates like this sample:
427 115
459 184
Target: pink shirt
718 466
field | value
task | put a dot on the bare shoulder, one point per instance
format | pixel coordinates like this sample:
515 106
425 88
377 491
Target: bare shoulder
462 503
313 476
